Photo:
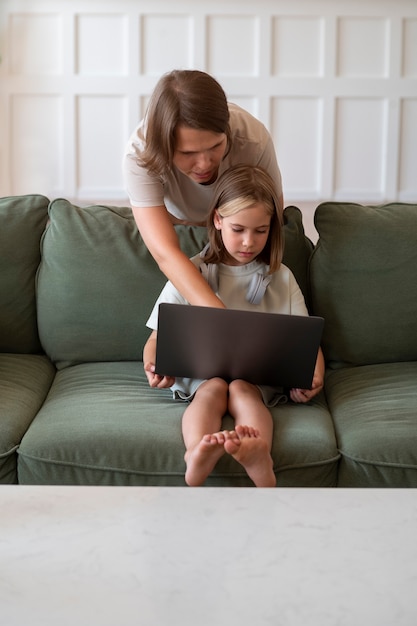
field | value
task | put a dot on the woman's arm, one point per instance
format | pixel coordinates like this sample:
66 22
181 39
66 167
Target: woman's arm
158 233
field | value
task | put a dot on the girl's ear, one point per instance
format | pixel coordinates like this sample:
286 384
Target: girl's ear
217 220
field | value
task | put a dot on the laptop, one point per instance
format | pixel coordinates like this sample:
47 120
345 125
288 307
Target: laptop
262 348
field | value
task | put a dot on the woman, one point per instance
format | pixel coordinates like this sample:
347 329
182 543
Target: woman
190 135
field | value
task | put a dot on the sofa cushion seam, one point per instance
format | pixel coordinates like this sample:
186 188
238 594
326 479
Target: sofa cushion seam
376 462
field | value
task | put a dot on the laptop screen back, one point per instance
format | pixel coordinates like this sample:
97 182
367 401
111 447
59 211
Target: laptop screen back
261 348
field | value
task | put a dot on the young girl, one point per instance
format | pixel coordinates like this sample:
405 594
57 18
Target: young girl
242 262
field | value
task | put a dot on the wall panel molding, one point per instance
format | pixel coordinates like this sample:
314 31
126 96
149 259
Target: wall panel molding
335 82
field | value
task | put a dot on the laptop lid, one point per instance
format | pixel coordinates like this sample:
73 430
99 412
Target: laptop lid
261 348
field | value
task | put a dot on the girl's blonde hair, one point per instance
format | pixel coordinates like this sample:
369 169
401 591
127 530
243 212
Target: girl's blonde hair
238 188
189 97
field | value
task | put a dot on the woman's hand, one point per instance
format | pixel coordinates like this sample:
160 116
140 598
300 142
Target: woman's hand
156 380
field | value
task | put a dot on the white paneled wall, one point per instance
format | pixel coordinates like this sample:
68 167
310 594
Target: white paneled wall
334 81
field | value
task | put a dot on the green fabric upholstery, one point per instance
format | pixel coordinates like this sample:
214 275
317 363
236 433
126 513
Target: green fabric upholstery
97 282
374 409
23 219
304 446
102 424
363 276
298 248
96 421
24 383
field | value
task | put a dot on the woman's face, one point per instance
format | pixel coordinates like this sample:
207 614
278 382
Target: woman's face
245 233
198 153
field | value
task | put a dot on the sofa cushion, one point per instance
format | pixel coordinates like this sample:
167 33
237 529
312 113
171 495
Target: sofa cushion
24 383
23 220
297 249
363 279
374 412
102 424
97 283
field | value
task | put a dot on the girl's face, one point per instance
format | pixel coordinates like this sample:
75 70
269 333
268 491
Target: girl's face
198 153
245 233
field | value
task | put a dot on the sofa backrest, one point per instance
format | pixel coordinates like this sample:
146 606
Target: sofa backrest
97 282
363 281
22 221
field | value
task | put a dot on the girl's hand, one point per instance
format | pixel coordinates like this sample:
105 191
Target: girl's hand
155 380
305 395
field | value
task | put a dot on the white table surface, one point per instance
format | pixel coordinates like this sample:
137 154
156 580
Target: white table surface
181 556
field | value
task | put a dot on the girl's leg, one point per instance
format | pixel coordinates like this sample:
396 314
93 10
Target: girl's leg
201 424
254 428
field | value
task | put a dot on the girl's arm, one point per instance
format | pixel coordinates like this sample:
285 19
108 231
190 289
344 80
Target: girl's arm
304 395
149 354
160 238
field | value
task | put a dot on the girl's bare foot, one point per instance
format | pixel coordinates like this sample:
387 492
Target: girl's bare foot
202 459
253 454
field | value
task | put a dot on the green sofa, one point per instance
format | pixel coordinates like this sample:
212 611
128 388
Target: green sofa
76 288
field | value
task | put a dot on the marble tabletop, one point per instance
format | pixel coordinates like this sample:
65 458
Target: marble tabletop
131 556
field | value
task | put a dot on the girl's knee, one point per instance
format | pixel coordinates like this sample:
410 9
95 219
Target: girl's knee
219 384
240 387
214 387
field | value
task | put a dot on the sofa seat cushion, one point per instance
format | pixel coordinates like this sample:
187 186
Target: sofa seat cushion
363 282
102 424
374 408
23 219
24 383
304 447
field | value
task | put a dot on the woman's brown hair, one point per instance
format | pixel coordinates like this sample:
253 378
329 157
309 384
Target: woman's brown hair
189 97
238 188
